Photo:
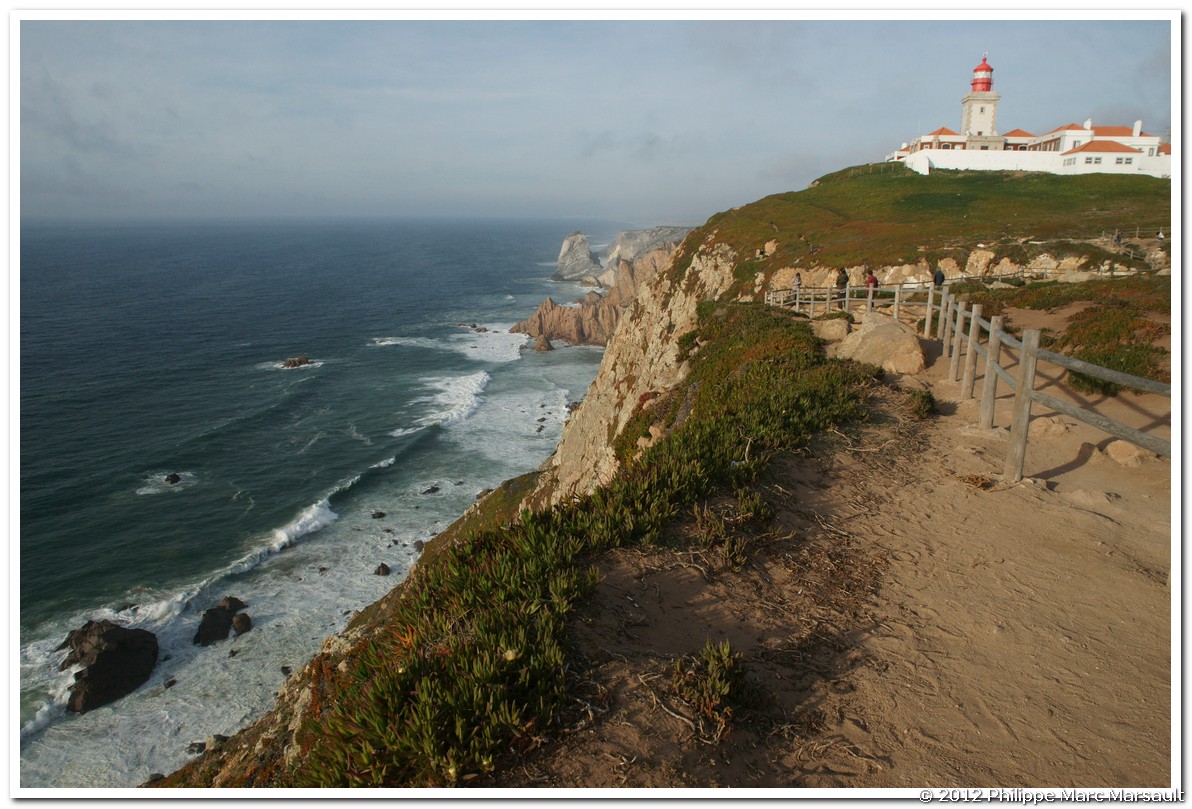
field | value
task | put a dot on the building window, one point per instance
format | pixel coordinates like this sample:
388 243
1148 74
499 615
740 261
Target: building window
946 146
1129 160
1150 152
1118 161
1097 160
1088 160
982 110
1075 143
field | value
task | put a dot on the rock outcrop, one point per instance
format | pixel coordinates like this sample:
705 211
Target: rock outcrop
297 362
116 660
642 356
635 257
885 342
576 261
217 623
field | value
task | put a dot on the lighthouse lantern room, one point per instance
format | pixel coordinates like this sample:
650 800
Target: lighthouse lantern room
979 108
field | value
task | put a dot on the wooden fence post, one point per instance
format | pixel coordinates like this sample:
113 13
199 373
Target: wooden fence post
1020 426
957 339
945 314
970 355
928 318
989 388
897 300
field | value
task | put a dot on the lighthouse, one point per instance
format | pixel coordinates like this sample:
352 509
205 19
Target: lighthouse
978 118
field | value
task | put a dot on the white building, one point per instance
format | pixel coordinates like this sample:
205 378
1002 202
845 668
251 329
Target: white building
1069 149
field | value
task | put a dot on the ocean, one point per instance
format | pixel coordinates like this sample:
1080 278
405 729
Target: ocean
152 350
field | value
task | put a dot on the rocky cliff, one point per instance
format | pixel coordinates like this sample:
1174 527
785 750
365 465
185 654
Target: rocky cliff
642 357
645 355
576 260
634 257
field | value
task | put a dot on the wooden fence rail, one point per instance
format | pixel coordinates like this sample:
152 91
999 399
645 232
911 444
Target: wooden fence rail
1029 355
960 331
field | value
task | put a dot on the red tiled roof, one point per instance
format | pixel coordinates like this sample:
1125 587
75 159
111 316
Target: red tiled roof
943 130
1164 148
1103 146
1116 132
1018 133
1062 128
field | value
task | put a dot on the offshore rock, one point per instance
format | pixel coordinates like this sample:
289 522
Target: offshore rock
216 623
297 362
635 258
576 260
116 660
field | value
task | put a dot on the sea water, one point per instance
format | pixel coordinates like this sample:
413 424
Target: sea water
151 349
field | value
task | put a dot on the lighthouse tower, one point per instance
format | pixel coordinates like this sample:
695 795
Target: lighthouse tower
978 119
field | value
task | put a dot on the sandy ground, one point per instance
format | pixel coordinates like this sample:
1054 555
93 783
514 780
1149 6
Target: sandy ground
909 620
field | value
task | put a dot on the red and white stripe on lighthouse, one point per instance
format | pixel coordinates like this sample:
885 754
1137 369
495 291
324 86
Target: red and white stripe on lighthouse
983 76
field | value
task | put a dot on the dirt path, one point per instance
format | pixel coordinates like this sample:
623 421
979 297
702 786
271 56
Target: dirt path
1026 629
910 621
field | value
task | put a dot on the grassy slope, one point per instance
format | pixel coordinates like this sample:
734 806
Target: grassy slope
468 657
896 216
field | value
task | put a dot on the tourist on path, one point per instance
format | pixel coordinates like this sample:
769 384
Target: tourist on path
842 285
939 276
871 287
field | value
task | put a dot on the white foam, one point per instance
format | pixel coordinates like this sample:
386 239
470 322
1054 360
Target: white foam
455 398
155 482
495 344
280 365
311 519
385 464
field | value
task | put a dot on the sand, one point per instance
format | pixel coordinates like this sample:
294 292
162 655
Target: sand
910 620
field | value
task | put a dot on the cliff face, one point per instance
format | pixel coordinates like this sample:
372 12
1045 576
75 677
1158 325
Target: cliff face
642 356
576 261
635 257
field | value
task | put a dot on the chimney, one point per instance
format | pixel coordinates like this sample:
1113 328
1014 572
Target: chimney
1088 124
1137 128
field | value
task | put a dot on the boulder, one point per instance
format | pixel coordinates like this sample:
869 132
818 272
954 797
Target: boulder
833 330
881 340
297 362
542 343
241 623
216 623
116 661
173 478
1127 454
382 570
231 603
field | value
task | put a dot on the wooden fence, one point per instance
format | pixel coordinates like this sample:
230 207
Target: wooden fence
960 331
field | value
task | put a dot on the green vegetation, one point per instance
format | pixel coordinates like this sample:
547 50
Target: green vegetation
473 659
887 214
714 683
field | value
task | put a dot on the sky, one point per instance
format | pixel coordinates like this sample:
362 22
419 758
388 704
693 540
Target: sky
645 122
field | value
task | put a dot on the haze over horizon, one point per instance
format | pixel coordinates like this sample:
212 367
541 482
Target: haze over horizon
659 122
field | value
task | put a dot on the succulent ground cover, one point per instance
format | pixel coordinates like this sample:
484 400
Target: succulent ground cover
475 660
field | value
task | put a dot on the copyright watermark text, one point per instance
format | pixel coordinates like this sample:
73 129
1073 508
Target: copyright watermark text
1029 797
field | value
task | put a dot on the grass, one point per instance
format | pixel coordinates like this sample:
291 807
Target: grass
895 216
472 661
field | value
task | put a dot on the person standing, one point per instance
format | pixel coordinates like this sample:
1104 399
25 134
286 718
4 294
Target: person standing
842 286
796 288
871 287
938 278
